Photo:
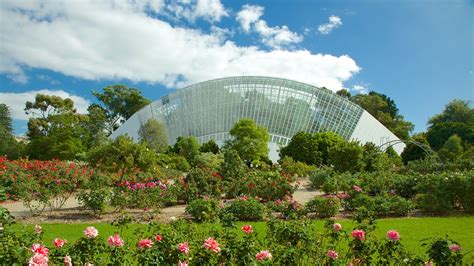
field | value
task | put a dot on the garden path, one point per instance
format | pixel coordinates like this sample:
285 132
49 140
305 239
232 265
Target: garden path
71 213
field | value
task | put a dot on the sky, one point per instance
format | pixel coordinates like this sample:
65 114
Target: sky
419 53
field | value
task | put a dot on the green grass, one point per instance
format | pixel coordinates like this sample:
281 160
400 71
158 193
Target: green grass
412 230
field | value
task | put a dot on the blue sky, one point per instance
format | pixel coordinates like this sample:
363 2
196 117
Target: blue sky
419 53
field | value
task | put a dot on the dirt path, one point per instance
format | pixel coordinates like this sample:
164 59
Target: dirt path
70 213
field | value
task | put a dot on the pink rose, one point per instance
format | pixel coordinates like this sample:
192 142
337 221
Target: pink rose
59 243
38 260
332 254
393 235
184 247
91 232
263 255
38 229
184 263
158 238
357 188
145 243
247 229
115 241
358 234
336 227
211 244
38 249
67 261
455 248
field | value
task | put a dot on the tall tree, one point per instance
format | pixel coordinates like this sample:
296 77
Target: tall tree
55 130
188 147
385 111
249 140
154 133
413 151
457 118
8 144
120 103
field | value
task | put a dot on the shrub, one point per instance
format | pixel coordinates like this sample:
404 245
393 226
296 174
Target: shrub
318 177
203 210
324 206
201 182
268 185
246 209
94 199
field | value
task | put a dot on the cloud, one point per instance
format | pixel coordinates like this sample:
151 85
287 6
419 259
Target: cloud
274 37
16 101
248 16
101 40
361 89
334 22
210 10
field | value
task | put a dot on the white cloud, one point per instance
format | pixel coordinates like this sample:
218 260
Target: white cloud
17 100
275 37
105 40
248 16
334 22
362 89
210 10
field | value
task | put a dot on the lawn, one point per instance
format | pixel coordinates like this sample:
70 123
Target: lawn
412 230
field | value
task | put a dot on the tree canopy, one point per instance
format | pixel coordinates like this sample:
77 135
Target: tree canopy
249 140
120 103
154 134
8 145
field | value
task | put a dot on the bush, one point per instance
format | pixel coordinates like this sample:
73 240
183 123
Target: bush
244 209
318 177
94 199
267 185
324 207
203 210
200 183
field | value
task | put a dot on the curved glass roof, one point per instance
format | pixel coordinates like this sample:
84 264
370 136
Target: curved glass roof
209 109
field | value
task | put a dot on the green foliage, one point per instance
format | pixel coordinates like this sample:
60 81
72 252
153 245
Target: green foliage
154 134
289 166
249 140
209 160
203 210
346 157
457 118
201 183
452 149
413 151
246 209
123 156
233 171
439 251
8 145
319 176
188 147
120 103
55 130
374 159
267 185
179 162
210 146
311 148
94 199
95 126
384 110
303 147
324 206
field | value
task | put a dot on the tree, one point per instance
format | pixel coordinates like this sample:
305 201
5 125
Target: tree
385 111
154 134
452 149
209 146
457 118
346 157
311 148
188 147
95 126
344 93
412 151
56 129
249 140
374 159
123 156
120 103
8 144
303 147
